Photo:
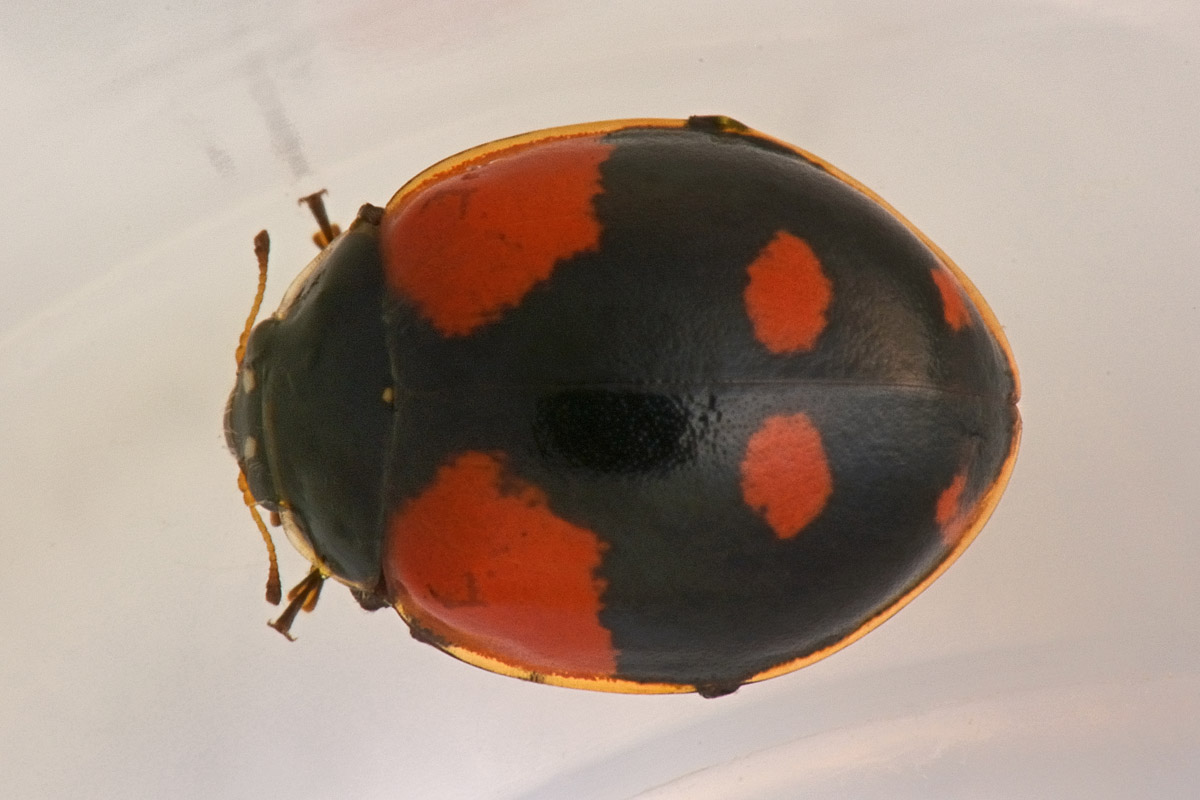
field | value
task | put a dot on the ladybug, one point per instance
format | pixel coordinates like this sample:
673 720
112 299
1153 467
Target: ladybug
636 406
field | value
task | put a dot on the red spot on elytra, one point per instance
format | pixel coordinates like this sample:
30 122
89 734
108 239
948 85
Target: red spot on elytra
954 308
785 474
470 245
948 513
788 295
479 559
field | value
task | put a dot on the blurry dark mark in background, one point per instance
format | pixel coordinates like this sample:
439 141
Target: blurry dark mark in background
284 139
220 159
200 132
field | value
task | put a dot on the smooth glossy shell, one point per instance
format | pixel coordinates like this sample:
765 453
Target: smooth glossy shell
678 405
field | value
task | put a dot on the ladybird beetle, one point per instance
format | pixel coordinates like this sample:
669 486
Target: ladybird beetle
638 406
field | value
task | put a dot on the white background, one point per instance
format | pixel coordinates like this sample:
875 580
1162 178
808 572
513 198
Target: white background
1050 146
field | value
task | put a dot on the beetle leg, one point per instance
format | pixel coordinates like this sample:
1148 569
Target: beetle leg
329 230
302 597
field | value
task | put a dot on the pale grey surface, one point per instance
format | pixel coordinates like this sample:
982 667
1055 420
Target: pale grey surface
1049 147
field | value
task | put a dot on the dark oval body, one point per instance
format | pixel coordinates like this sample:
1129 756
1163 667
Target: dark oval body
647 406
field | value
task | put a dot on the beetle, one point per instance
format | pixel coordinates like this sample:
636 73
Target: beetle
644 405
